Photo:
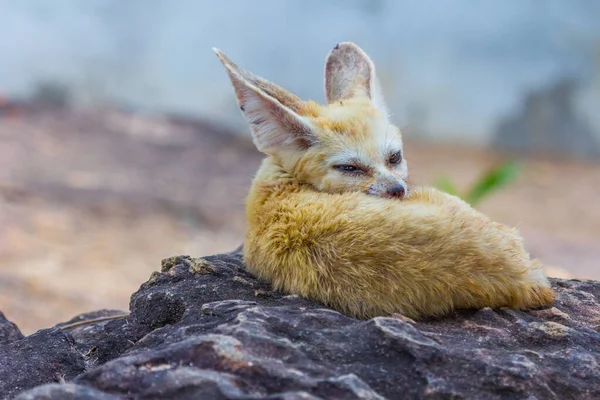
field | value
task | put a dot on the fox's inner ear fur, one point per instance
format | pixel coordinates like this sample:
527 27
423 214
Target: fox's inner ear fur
349 72
272 112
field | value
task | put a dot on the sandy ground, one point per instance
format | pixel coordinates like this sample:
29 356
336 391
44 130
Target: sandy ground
90 202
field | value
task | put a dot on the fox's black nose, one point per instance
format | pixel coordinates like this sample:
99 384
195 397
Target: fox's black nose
397 191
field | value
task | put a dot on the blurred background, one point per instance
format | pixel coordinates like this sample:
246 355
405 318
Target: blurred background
121 143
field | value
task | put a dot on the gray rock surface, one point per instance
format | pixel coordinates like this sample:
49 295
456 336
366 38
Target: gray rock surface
206 329
9 332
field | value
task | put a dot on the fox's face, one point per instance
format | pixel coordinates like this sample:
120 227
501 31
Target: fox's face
348 145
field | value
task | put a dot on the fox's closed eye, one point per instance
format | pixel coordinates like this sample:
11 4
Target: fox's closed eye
348 168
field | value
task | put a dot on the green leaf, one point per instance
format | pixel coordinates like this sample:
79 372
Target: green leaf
492 180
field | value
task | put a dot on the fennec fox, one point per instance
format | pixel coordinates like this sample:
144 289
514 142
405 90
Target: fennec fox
330 217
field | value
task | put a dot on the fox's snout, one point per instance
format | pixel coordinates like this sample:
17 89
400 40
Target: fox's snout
389 188
396 191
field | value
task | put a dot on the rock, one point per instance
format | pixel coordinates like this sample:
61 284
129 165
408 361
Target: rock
67 391
49 355
207 329
9 332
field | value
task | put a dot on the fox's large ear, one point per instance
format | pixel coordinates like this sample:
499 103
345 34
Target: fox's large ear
349 72
272 112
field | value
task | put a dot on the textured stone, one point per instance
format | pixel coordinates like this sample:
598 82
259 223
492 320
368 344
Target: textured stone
207 329
66 391
49 355
9 332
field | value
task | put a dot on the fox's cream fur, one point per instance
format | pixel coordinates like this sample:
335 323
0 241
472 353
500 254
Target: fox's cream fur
329 217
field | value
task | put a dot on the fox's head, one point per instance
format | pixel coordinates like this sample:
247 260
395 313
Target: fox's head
348 145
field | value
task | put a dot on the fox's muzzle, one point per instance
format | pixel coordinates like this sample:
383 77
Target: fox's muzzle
396 191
